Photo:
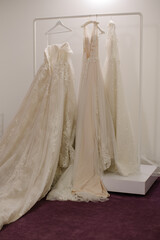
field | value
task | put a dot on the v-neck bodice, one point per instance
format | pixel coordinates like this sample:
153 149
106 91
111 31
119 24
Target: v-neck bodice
90 43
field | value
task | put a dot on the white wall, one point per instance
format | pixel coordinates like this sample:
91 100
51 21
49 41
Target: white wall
16 57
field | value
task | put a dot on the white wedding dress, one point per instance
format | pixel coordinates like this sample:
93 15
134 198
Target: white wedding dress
126 162
94 148
40 138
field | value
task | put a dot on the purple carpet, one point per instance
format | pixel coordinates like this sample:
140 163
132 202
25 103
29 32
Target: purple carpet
123 217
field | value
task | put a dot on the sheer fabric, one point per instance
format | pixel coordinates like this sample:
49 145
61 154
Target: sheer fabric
40 136
62 190
94 133
126 162
38 145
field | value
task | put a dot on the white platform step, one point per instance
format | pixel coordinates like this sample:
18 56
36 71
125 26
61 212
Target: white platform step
138 183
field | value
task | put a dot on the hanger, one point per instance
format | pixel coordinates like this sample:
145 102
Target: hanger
95 22
59 23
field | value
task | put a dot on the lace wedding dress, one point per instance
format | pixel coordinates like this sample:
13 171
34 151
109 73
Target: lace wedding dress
94 148
94 133
126 161
39 139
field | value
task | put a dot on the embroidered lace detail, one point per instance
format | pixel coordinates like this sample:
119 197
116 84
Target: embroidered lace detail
92 153
42 130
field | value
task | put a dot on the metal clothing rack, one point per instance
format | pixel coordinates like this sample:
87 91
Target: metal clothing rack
140 53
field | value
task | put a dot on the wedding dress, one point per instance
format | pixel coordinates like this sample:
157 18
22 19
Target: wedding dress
94 133
94 148
40 138
126 161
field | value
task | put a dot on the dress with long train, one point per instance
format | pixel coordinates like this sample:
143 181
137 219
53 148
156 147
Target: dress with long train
40 138
126 162
94 149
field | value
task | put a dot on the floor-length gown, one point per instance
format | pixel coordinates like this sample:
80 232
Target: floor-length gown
94 149
94 132
126 161
40 137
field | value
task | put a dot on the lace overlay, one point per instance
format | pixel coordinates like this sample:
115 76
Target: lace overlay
126 161
93 151
42 130
94 137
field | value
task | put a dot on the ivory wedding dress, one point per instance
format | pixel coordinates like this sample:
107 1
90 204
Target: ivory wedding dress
94 148
126 161
39 139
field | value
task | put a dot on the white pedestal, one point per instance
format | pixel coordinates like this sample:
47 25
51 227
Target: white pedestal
138 183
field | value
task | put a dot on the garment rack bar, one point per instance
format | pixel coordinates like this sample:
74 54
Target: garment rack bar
140 55
90 15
